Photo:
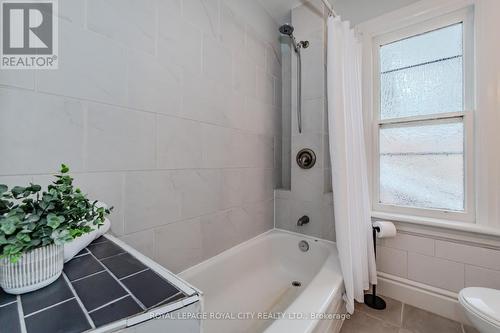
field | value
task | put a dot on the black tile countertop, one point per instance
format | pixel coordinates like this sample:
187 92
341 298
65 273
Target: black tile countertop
103 285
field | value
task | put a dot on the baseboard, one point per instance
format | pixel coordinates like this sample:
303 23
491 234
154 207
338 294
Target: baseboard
439 301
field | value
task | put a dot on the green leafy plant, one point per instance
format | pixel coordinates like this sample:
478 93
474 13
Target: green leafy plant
31 218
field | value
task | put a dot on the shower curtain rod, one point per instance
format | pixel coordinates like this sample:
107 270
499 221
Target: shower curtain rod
330 8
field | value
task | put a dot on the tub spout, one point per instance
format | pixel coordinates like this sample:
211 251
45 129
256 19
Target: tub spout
303 220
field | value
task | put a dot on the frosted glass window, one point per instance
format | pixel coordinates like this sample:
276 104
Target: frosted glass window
422 165
423 74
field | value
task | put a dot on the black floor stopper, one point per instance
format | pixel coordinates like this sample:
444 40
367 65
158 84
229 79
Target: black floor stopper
372 300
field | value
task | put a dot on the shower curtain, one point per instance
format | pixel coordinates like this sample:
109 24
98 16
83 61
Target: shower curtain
349 166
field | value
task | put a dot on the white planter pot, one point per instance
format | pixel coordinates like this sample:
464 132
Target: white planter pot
34 270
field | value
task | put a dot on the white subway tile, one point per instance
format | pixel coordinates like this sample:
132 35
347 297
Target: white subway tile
392 261
436 272
481 277
410 243
468 254
120 139
39 132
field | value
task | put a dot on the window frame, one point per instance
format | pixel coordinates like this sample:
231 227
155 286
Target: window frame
466 17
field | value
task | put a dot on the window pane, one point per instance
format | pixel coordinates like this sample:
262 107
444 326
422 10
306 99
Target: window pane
431 89
422 75
438 44
422 165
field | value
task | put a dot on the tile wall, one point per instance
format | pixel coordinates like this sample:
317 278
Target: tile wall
310 190
167 110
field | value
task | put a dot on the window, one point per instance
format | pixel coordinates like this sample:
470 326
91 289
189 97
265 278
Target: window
423 105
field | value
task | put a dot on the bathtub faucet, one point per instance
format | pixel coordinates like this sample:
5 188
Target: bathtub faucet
303 220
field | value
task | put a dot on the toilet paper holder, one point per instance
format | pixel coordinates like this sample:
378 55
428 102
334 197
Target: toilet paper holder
372 300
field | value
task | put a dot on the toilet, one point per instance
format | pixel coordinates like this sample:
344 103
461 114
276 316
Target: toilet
482 306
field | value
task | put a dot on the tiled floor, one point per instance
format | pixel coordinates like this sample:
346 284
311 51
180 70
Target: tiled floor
400 318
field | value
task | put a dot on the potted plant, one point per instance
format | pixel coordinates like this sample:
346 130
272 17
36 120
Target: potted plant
35 225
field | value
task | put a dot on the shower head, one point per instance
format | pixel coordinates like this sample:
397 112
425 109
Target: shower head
287 29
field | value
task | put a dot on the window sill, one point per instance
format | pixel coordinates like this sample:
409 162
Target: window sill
437 223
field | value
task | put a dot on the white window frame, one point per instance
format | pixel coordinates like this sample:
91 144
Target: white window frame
466 17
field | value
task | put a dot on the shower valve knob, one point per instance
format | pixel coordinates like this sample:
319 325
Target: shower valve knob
306 158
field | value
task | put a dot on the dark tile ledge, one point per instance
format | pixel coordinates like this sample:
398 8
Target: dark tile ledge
107 286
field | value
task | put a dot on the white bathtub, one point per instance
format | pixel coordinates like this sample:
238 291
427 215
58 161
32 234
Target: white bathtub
254 279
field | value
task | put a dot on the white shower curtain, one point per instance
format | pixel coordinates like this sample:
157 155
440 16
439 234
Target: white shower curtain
349 169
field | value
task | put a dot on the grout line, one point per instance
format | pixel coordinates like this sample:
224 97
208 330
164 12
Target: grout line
109 303
49 307
120 283
86 276
117 171
109 257
20 313
133 274
81 255
80 303
1 306
402 313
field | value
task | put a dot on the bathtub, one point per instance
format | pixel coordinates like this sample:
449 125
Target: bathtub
268 284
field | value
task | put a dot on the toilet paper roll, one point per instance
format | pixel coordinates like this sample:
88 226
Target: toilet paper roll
387 229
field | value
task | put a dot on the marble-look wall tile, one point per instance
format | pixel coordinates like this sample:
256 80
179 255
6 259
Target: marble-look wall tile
179 143
204 14
217 61
91 67
150 200
233 29
108 188
39 132
132 22
157 110
179 245
120 139
199 191
153 85
142 241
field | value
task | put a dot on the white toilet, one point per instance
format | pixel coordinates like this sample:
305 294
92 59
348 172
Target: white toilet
482 306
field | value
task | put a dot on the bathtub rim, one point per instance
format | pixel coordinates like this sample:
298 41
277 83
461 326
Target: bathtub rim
334 298
246 243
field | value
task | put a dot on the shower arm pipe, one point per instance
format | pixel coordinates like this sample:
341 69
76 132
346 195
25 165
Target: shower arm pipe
299 90
329 6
